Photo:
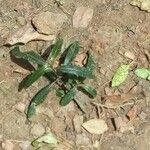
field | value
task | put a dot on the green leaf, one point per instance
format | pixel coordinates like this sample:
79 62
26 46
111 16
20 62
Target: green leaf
90 63
143 73
68 97
47 139
38 99
72 51
56 49
76 70
89 89
120 75
35 76
31 110
60 93
29 56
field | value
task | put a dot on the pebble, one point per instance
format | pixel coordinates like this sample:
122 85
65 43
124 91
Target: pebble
142 116
25 145
20 107
129 55
82 17
37 130
49 22
77 121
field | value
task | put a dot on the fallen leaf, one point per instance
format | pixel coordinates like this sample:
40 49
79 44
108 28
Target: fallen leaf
27 34
120 75
48 139
82 17
95 126
142 4
114 100
7 145
143 73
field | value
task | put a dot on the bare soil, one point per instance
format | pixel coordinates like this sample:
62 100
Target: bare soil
116 28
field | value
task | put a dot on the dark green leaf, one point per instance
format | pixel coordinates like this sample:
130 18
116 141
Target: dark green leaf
41 95
72 51
37 100
90 63
31 110
68 97
76 70
35 76
29 56
89 89
56 49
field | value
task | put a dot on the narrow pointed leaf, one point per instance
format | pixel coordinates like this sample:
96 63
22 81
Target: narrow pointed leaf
72 52
56 49
38 99
29 56
68 97
76 70
31 110
89 89
143 73
120 75
35 76
90 63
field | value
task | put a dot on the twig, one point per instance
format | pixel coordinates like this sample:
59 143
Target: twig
100 142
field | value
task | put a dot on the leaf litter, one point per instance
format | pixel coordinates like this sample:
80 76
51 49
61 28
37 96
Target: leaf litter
26 34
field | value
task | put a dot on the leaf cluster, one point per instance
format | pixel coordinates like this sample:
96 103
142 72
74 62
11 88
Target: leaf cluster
66 79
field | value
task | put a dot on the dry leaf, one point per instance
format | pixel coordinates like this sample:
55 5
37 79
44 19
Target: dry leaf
27 34
7 145
95 126
115 100
82 17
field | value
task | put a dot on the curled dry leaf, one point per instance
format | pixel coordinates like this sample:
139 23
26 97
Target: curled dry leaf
7 145
95 126
82 17
27 34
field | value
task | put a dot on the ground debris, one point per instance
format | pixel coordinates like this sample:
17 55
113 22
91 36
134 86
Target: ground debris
27 34
95 126
142 4
82 17
48 22
7 145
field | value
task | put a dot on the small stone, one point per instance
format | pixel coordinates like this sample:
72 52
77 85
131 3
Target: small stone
25 145
129 55
78 121
82 140
142 116
37 130
82 17
21 20
48 22
20 107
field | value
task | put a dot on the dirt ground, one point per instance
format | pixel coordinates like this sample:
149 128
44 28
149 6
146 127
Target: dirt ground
116 29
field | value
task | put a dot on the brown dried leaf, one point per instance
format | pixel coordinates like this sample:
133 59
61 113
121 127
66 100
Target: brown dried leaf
95 126
27 34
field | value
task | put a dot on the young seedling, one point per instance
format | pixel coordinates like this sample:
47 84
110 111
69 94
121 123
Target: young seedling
66 79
